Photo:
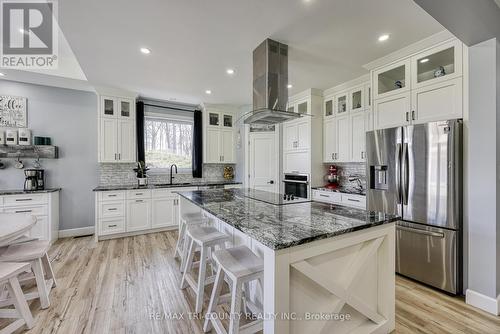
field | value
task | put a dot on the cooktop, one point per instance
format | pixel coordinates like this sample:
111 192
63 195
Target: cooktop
273 198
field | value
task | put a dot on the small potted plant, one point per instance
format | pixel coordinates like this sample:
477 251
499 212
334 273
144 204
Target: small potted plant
141 170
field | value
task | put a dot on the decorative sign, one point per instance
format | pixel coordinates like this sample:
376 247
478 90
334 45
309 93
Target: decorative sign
13 111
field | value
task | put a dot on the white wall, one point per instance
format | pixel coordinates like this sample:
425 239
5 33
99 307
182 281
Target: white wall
484 183
69 117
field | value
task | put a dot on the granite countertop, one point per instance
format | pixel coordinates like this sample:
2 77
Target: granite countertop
342 190
283 226
165 185
20 191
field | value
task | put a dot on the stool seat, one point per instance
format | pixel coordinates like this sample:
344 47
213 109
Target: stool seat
205 234
191 216
12 269
238 261
25 251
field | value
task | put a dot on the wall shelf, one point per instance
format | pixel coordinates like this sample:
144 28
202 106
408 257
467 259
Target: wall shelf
29 151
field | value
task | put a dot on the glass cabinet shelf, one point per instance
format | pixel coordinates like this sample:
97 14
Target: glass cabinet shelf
228 121
341 104
213 119
391 80
125 109
109 107
436 65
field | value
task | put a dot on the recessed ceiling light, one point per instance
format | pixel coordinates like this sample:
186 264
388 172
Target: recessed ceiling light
230 71
146 51
289 86
208 91
21 30
383 38
1 74
425 60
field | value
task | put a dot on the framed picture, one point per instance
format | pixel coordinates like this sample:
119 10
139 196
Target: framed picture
13 111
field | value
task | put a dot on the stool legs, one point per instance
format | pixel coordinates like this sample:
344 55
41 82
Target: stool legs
188 265
234 323
19 302
214 300
180 239
47 267
201 279
36 265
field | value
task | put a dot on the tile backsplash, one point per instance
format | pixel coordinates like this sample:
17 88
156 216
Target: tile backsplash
123 174
350 169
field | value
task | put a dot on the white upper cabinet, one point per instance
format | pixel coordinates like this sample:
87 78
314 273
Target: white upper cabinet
392 79
117 135
440 101
392 111
218 131
328 107
343 143
359 126
297 135
439 64
431 91
329 140
357 99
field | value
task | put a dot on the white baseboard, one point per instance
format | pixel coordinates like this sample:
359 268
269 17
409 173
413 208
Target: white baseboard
485 303
76 232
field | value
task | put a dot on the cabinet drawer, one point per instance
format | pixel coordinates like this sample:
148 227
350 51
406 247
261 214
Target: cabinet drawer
139 194
357 201
110 226
169 192
111 195
111 209
40 210
327 196
27 199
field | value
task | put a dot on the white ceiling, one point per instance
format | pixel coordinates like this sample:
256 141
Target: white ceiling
193 42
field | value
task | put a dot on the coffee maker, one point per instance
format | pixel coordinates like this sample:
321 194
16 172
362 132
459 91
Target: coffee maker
34 180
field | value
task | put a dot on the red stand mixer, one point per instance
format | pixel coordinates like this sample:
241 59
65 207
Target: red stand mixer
332 178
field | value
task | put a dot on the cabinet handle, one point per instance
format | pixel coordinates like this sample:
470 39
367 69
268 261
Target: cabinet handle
333 158
407 116
23 211
222 158
116 156
119 156
413 114
114 225
23 199
112 209
139 194
362 155
353 200
139 201
323 195
112 195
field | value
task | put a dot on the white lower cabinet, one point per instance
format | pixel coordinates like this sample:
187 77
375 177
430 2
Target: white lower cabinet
138 214
44 206
296 162
332 197
138 211
164 212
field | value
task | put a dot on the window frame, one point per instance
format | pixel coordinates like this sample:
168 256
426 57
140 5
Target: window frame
166 116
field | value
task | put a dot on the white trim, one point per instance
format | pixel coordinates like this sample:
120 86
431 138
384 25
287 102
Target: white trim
485 303
76 232
411 49
362 80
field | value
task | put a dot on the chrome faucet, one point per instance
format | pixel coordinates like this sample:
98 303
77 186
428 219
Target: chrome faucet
171 176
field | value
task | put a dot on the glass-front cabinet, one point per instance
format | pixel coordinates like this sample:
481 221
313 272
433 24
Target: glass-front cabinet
441 63
392 80
220 119
213 119
228 121
126 109
115 107
108 107
357 99
328 107
303 107
341 103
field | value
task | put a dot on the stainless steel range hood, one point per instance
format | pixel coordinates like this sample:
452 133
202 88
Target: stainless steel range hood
270 80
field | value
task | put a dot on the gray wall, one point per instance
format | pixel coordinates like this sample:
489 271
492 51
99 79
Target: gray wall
69 117
484 184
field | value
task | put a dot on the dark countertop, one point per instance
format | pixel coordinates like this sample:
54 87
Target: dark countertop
342 190
20 191
284 226
160 186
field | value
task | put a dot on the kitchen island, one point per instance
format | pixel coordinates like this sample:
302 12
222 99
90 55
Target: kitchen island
327 269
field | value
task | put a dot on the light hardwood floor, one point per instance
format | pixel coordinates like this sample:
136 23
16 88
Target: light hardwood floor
116 286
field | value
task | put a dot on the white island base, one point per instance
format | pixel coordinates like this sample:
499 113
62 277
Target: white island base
342 284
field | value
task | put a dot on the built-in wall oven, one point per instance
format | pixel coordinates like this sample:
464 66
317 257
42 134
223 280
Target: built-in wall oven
296 184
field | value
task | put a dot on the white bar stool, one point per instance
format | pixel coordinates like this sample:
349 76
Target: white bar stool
206 238
21 311
189 219
241 266
34 252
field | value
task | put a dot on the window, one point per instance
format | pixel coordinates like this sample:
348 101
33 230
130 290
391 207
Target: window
168 140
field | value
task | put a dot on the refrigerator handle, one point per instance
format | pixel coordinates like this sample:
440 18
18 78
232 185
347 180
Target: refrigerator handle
398 172
406 174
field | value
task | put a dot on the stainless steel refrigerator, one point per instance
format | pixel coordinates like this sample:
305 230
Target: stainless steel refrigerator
416 172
